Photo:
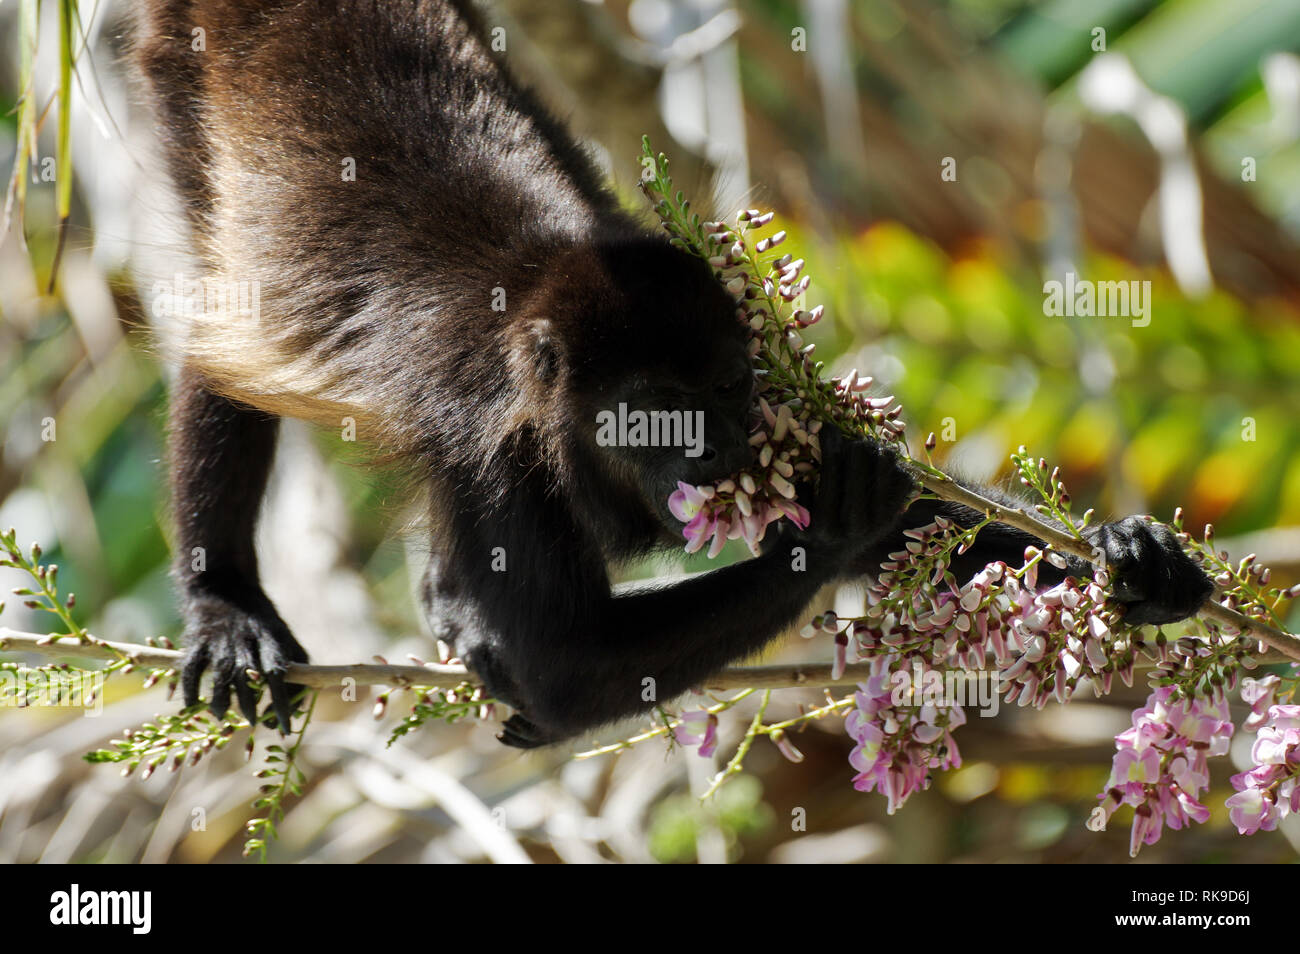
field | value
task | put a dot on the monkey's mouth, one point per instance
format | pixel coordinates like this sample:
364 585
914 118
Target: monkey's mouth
661 494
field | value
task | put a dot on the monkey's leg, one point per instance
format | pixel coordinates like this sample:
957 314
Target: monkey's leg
221 455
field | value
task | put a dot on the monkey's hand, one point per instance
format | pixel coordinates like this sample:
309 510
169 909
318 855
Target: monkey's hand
860 493
234 633
1150 572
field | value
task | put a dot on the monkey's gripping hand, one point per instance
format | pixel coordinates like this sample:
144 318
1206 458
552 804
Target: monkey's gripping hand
677 636
860 494
1151 574
234 633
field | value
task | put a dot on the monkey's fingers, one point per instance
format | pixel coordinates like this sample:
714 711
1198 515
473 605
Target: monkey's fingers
247 697
517 732
241 651
196 661
223 683
285 698
1150 573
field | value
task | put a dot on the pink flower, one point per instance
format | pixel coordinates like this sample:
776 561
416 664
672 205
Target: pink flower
797 513
686 502
698 727
841 655
1181 809
1131 766
1269 792
786 747
752 527
1146 829
1249 810
1259 695
698 532
721 533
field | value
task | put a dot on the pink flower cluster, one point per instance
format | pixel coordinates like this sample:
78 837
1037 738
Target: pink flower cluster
898 744
907 612
730 510
1043 642
1269 792
1063 635
1161 767
792 402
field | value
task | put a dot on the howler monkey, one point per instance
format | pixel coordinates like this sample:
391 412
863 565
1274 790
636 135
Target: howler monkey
378 174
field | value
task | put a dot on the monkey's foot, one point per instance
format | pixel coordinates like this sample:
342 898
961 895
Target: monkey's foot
231 636
519 733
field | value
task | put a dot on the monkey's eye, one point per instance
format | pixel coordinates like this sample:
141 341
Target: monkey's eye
736 385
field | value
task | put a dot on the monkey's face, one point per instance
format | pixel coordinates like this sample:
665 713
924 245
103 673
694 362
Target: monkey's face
651 348
687 422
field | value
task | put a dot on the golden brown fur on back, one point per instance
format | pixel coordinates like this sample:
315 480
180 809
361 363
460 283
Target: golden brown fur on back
371 171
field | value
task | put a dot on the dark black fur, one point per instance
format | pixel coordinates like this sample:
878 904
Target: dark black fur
376 299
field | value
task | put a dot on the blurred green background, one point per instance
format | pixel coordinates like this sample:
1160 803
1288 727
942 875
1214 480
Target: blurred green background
1063 126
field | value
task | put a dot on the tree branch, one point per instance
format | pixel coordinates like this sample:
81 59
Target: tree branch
436 675
1284 643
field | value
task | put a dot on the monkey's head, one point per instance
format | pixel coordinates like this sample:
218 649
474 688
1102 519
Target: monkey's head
645 362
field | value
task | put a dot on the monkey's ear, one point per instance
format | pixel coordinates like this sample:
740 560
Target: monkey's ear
541 349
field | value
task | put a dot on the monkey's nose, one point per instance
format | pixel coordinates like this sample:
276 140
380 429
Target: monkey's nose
715 463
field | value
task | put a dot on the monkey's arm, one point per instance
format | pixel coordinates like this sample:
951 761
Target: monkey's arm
221 456
1151 573
546 634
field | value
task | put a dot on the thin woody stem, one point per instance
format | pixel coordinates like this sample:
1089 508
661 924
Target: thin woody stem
433 675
